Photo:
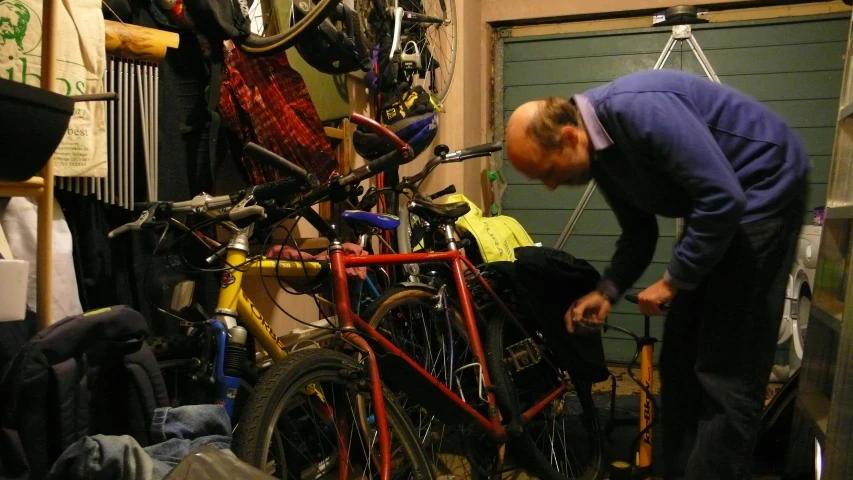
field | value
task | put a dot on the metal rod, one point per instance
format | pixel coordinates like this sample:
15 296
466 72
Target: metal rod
152 127
703 60
127 135
664 55
122 134
126 140
157 131
149 77
95 97
143 120
131 112
108 196
576 215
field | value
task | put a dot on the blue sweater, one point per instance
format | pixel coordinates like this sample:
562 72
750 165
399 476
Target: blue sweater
677 145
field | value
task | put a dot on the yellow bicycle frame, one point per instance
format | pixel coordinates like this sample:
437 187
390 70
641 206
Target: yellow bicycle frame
232 298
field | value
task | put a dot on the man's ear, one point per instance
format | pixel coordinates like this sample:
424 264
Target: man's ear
569 134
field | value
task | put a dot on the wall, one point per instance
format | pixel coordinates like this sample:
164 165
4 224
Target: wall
475 113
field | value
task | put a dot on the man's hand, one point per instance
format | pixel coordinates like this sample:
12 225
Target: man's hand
591 310
653 297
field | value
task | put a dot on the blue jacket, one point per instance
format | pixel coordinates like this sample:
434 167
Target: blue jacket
677 145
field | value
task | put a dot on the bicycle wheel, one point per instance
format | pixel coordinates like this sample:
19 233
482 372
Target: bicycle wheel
436 42
407 317
431 25
309 404
271 26
564 440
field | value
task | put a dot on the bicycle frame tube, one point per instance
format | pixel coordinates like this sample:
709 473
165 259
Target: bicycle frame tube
457 261
232 297
349 321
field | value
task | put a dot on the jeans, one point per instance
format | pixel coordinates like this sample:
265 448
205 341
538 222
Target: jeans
718 350
176 431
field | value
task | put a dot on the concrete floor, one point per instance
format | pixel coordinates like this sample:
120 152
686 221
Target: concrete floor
627 406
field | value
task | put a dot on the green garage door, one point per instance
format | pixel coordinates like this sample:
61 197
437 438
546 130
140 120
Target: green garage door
793 65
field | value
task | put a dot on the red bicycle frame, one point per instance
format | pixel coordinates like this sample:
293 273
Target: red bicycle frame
350 323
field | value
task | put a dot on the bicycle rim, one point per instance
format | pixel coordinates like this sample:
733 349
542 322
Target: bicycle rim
564 440
407 317
437 44
311 415
271 27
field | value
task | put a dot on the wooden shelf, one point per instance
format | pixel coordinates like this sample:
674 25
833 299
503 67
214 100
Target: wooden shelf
28 188
841 211
831 321
336 133
846 112
816 407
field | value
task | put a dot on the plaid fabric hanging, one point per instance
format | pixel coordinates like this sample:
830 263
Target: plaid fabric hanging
266 101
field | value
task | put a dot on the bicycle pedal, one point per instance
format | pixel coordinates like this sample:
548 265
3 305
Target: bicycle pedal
410 57
523 355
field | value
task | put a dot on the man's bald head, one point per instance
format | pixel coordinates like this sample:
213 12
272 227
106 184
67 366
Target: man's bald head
518 139
538 135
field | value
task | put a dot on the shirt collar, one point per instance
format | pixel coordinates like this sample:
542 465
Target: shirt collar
597 134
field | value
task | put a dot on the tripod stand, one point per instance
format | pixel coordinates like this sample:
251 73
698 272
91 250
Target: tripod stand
680 18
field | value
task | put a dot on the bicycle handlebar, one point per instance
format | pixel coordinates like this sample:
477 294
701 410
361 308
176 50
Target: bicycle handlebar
479 150
294 185
635 299
262 155
453 157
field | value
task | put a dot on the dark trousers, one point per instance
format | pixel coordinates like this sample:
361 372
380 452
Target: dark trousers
718 349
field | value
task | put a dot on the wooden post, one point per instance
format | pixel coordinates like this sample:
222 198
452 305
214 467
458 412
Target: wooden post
44 248
133 42
345 159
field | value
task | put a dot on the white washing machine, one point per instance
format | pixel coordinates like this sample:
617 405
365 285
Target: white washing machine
798 296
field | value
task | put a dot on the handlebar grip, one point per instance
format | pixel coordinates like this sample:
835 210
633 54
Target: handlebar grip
451 189
482 149
635 299
118 231
278 189
385 162
383 133
262 155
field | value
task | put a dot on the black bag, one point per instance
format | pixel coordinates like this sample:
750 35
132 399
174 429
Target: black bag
220 19
87 374
543 282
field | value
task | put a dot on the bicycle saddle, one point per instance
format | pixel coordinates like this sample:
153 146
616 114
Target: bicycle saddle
438 213
379 220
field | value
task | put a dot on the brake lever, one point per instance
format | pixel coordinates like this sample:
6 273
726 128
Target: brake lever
145 220
242 210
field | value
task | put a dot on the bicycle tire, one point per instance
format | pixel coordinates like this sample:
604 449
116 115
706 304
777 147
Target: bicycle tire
257 44
286 380
441 95
368 19
448 453
508 398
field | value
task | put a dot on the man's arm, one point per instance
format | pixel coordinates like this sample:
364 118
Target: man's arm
681 146
634 249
